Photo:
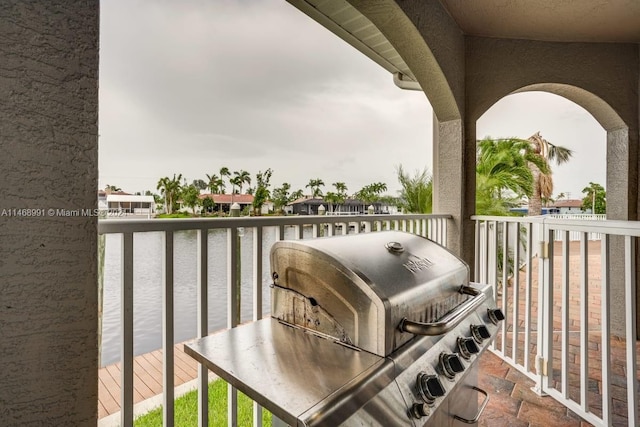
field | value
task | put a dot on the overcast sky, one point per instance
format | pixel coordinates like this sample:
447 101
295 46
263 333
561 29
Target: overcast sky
193 85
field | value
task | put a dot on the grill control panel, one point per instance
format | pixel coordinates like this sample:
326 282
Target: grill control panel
435 365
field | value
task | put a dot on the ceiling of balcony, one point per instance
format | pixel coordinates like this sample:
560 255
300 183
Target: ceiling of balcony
547 20
349 24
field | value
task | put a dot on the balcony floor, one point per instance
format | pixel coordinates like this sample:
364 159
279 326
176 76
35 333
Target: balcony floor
512 402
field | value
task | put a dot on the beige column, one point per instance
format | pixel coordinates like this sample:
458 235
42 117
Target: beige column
48 262
454 184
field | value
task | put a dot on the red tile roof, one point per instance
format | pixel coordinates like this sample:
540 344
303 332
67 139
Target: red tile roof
241 199
569 203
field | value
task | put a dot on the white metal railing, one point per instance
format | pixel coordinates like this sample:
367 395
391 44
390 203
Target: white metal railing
575 236
431 226
563 340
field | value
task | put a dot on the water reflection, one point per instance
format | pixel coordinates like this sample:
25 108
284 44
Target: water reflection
147 287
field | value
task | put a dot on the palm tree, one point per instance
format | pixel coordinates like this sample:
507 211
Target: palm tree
595 198
417 191
341 193
331 198
298 194
241 177
371 193
224 172
503 174
215 184
543 182
170 189
315 185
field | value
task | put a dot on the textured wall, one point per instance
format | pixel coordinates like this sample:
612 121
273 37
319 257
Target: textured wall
48 159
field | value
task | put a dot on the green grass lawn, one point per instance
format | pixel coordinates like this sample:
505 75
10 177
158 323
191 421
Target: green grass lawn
186 410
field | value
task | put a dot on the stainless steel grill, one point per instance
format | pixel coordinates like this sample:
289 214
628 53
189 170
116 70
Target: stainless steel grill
370 329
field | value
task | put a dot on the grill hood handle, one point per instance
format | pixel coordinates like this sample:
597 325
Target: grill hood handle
448 322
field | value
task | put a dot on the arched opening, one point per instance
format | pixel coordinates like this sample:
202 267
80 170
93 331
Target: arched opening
563 123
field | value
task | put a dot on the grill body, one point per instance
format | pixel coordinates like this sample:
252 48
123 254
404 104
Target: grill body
378 329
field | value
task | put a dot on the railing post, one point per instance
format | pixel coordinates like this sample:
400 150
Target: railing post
233 311
630 322
126 323
257 302
545 308
203 324
168 334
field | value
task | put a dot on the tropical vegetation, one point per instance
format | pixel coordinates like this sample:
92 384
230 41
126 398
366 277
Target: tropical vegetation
508 172
416 195
595 198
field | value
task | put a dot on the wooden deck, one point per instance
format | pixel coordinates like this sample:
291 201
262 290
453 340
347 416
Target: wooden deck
147 379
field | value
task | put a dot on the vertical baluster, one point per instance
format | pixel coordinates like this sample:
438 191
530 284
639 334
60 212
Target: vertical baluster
505 277
257 301
126 324
203 323
516 291
545 300
495 258
233 313
527 297
565 314
630 321
476 264
486 258
168 333
584 322
607 402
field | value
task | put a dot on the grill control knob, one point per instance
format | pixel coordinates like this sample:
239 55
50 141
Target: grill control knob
467 347
429 387
451 364
419 410
480 333
495 315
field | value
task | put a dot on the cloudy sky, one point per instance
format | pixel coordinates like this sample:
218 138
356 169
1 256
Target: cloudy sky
191 86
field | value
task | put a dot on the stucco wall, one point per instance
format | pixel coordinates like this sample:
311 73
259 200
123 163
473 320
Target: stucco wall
49 146
446 42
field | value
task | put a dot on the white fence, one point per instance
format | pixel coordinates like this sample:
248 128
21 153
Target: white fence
557 306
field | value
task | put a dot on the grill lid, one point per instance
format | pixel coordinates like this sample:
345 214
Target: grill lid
359 288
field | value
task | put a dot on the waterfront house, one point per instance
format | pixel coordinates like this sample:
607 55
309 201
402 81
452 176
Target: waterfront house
570 206
464 56
131 204
223 202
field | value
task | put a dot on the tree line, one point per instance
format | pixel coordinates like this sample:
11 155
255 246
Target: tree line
508 171
177 189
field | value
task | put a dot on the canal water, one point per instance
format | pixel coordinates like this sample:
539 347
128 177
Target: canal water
147 286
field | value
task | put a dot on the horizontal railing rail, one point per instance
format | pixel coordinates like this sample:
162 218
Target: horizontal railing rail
431 226
563 340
